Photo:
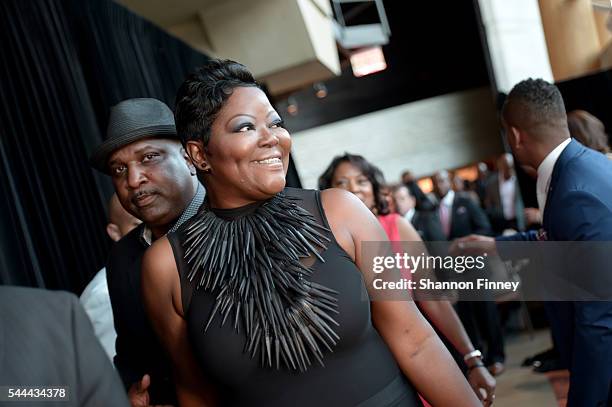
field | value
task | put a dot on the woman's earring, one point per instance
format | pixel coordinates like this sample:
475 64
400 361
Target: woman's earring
205 168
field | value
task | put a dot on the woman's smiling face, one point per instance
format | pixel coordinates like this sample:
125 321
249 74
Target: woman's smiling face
350 178
248 150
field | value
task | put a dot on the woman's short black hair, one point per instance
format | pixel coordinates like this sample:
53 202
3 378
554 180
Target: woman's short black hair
371 172
203 94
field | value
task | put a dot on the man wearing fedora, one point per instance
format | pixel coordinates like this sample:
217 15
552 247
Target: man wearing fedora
155 182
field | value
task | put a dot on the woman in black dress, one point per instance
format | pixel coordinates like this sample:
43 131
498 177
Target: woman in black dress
260 299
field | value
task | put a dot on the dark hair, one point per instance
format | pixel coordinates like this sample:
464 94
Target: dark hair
588 130
203 94
537 102
371 172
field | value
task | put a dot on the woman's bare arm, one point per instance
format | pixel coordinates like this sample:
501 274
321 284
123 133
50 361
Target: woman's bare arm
439 312
414 344
161 291
443 316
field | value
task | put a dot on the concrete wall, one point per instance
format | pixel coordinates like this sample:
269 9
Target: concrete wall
516 41
446 131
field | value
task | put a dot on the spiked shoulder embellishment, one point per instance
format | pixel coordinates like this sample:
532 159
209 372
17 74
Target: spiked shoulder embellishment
253 266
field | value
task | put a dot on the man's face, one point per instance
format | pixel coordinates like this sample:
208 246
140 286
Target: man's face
441 184
505 165
403 200
153 180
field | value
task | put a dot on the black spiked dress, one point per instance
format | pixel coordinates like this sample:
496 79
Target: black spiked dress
278 313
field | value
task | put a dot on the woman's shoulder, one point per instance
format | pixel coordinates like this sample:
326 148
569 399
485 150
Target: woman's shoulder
158 259
332 201
339 196
330 193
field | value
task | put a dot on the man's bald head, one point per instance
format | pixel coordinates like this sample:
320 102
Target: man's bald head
505 165
120 222
441 183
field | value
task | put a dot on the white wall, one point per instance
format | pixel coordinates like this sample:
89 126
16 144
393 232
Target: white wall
516 41
446 131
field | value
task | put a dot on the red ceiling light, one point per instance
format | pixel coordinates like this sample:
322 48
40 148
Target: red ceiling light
368 61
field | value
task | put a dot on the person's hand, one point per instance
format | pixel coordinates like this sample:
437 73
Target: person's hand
483 384
473 245
533 216
138 394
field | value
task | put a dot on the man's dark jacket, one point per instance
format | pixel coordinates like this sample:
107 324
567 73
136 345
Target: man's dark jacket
46 339
138 350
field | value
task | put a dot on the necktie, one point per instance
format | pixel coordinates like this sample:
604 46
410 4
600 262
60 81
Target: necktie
445 219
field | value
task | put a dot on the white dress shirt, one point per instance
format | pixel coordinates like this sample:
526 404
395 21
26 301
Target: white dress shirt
545 173
410 214
96 301
507 193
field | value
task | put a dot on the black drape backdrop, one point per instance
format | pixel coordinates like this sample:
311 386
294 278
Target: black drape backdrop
63 64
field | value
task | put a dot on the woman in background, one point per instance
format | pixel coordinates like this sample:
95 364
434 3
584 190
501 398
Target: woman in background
589 131
355 174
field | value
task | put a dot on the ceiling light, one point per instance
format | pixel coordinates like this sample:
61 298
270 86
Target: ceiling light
320 90
292 106
368 61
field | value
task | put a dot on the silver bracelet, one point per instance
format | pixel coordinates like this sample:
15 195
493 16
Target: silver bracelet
473 354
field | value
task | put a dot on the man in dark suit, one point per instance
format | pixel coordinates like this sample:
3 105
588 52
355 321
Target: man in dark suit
460 216
155 182
574 190
422 201
46 340
503 201
426 223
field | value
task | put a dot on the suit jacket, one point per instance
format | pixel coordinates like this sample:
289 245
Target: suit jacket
46 339
467 218
138 349
493 203
579 208
427 224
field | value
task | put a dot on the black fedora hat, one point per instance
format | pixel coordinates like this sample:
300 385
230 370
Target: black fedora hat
130 121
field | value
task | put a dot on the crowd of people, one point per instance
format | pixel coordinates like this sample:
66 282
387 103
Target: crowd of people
229 288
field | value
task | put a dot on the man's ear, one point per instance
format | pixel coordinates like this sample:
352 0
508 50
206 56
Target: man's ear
190 165
516 137
113 232
197 153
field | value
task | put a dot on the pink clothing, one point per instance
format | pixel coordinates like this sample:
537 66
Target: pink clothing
389 224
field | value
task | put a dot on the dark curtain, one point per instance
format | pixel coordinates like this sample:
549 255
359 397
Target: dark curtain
592 93
63 64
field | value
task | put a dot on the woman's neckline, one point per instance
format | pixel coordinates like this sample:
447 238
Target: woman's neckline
232 213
